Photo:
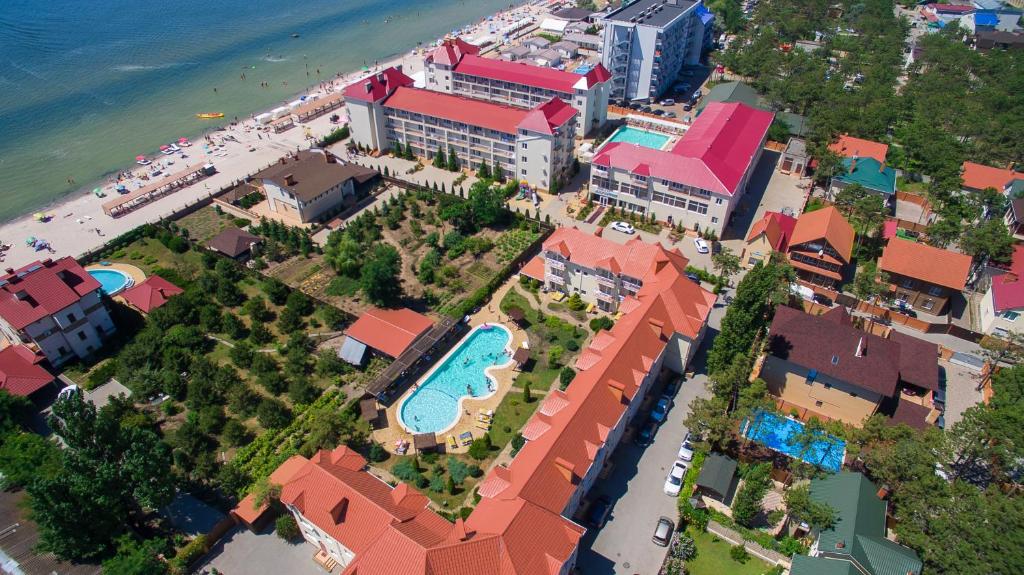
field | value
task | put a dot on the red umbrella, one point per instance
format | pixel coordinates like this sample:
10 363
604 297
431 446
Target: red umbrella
139 158
165 147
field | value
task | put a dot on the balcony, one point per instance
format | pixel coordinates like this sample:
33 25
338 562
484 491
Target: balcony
555 264
604 280
608 297
554 278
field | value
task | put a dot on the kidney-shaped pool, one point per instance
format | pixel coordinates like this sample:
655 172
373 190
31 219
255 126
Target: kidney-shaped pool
435 404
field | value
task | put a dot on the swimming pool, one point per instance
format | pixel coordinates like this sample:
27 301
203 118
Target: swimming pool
434 406
112 281
780 434
631 135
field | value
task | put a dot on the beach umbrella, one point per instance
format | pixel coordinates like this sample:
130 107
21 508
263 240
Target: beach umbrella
164 147
31 240
139 158
182 140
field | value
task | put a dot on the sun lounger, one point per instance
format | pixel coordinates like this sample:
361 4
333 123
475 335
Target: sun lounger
466 438
487 412
484 427
483 419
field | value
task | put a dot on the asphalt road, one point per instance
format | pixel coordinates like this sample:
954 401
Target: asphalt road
623 546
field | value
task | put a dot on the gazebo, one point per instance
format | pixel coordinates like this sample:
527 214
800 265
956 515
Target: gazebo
424 442
369 411
520 357
515 314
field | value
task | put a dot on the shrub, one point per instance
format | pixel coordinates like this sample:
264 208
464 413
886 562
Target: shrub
572 345
479 449
566 376
599 323
575 302
102 374
437 483
555 355
457 470
739 554
377 453
188 554
683 547
286 527
518 441
406 469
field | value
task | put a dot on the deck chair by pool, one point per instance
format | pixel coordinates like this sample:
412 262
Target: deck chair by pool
452 444
466 438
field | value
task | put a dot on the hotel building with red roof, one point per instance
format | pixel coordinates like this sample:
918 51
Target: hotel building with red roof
1002 306
54 307
535 145
697 181
456 67
523 524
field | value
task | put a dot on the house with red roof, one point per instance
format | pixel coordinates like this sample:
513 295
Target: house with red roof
149 294
20 372
978 177
923 277
523 524
824 366
534 145
768 235
1002 306
846 146
696 181
821 247
55 307
456 67
387 331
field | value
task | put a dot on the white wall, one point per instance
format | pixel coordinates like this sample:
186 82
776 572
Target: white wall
993 324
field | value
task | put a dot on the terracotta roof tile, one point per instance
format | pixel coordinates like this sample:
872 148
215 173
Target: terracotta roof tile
980 177
389 331
151 293
925 263
828 224
777 227
42 288
20 373
849 147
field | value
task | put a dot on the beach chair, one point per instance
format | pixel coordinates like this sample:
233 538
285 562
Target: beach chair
483 419
452 444
487 412
466 437
484 426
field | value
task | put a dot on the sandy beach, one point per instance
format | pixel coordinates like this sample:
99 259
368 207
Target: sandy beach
79 225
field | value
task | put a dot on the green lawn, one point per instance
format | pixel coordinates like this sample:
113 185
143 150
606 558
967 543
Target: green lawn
713 559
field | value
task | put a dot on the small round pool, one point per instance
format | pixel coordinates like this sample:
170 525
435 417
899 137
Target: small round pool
112 281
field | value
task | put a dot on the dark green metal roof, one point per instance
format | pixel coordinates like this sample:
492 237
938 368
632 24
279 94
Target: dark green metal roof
717 473
729 92
859 532
804 565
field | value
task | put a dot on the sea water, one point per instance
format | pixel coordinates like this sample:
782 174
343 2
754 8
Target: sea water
85 86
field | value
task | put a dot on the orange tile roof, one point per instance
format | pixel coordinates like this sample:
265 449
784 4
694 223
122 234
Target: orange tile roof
247 510
389 331
151 293
777 227
849 147
980 177
828 224
925 263
534 268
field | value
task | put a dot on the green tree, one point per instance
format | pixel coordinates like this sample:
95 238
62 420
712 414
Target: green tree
276 290
478 449
870 282
453 160
109 472
709 418
747 505
726 263
136 557
287 528
273 414
439 159
943 232
300 303
484 171
799 504
26 456
15 411
527 395
988 241
380 276
259 334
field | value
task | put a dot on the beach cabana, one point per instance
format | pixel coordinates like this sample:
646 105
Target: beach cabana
369 411
171 183
424 442
520 357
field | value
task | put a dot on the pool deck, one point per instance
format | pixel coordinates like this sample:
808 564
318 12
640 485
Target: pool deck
133 272
505 378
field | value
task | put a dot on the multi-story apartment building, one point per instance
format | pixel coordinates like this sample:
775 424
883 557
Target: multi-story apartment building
55 307
524 522
310 184
455 67
534 145
923 277
647 42
698 181
821 247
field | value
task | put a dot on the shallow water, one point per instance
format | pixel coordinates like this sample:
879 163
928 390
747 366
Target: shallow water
87 86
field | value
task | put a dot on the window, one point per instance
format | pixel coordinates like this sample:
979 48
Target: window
714 220
818 404
522 159
935 291
928 304
908 283
1009 315
523 145
718 201
811 375
71 318
81 335
523 171
62 350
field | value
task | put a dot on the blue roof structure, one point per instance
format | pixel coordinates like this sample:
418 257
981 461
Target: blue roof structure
704 14
986 19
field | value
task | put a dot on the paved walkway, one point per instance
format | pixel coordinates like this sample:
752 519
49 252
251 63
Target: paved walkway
773 557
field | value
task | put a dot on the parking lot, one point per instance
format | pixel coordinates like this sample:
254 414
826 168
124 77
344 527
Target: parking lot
635 486
242 551
961 391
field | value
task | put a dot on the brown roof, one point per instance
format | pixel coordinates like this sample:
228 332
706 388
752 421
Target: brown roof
310 173
233 242
911 414
828 224
829 344
926 263
368 409
521 356
423 441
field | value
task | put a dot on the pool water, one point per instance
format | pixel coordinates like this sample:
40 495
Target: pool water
630 135
780 434
111 281
434 406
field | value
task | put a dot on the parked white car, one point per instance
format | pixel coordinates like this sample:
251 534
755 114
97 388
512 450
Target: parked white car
702 246
685 453
674 481
623 227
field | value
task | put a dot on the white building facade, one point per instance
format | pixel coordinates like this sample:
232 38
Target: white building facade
646 43
456 68
56 307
